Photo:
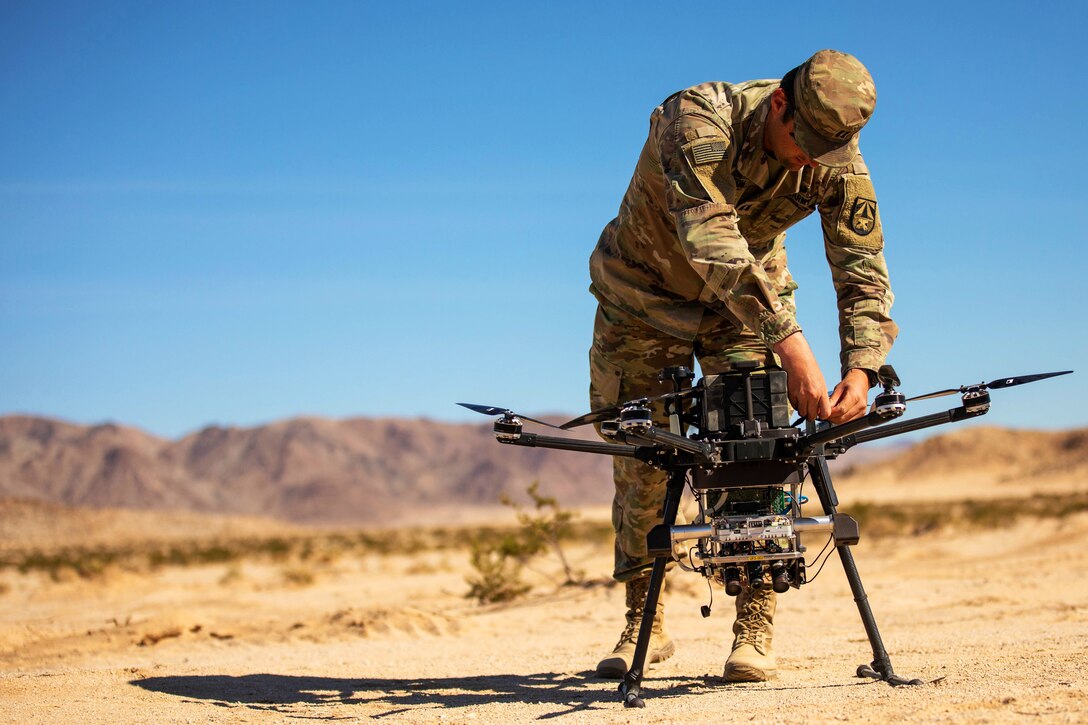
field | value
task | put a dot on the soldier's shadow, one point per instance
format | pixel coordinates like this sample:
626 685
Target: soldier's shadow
565 693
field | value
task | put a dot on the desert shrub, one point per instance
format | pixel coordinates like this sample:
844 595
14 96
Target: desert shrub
216 554
85 564
546 528
297 576
498 558
278 548
497 576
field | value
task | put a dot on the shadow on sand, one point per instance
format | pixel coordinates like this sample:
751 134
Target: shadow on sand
566 693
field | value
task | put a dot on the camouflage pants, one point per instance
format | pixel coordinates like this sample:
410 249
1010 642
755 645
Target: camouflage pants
626 357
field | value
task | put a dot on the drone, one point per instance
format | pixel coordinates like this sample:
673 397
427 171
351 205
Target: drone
730 441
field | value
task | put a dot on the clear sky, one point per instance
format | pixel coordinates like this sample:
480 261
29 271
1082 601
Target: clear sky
235 212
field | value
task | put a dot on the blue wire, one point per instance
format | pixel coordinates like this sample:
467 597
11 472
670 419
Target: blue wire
789 502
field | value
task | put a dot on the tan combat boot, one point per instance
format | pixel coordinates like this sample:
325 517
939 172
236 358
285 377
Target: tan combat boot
615 666
752 659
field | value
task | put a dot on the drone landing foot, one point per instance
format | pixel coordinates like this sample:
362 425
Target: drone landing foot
631 687
631 691
881 666
890 677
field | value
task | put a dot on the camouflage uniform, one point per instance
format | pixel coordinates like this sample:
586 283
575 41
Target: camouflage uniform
694 265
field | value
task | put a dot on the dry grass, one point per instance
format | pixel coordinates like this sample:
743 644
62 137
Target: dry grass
297 554
913 519
91 561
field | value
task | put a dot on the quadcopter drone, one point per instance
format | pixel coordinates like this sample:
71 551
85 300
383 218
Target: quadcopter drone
731 441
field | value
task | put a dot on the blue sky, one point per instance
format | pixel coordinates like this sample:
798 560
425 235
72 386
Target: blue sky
235 212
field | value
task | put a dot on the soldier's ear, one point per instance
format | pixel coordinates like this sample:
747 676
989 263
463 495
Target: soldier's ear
778 102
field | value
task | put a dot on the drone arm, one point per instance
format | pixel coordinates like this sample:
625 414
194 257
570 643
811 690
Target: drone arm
533 440
906 426
662 437
809 443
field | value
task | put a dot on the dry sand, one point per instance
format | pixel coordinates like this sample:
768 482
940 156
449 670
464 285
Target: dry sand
995 622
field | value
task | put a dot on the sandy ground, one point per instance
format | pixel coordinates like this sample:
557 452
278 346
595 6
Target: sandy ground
995 622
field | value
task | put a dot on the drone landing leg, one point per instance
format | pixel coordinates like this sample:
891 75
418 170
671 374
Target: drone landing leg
881 666
631 687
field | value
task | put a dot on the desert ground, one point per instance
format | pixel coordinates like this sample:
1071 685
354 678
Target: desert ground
253 621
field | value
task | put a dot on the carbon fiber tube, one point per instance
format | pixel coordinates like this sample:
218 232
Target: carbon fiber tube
533 440
656 435
906 426
807 444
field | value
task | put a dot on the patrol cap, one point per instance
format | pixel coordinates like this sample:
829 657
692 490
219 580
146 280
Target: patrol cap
835 97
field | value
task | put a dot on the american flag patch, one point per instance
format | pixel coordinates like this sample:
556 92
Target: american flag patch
708 152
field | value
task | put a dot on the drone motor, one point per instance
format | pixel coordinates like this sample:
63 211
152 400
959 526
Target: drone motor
637 418
508 428
976 400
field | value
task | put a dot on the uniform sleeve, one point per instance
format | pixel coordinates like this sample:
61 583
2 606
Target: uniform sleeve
854 243
697 158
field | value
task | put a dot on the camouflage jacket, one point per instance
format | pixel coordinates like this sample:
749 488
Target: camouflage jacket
702 227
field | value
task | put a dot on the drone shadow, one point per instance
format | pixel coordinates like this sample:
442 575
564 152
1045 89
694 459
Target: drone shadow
567 692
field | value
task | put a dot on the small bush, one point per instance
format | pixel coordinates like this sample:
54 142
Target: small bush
546 528
498 574
297 576
498 559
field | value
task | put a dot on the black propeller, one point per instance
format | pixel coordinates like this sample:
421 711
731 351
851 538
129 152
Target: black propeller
613 411
993 385
492 410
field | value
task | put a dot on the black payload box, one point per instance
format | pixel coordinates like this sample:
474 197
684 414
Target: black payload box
731 398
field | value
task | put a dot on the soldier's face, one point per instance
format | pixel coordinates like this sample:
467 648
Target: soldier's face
778 138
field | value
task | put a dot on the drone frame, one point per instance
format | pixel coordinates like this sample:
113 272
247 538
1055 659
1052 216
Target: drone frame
808 453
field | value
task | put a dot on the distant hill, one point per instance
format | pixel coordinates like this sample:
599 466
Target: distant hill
1003 453
373 471
307 470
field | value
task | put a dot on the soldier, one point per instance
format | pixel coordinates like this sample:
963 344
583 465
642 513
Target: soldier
694 266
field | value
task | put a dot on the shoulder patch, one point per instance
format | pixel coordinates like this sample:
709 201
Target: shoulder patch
708 152
859 217
863 216
706 158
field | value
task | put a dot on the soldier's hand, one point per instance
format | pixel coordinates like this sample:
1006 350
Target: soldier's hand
850 397
805 383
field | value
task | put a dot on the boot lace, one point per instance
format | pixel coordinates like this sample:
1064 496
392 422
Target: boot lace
752 624
630 632
750 635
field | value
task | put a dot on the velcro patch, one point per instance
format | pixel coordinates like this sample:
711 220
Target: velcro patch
705 158
863 216
859 218
708 152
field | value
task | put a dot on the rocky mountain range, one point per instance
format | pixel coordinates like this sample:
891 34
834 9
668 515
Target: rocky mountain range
373 471
307 470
